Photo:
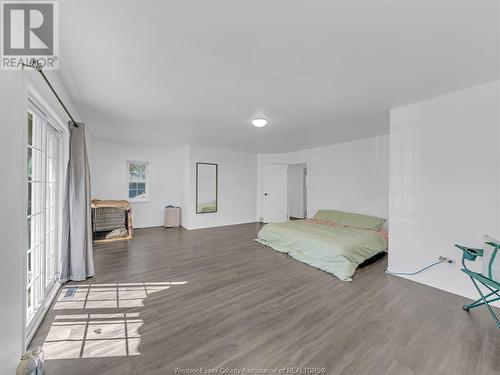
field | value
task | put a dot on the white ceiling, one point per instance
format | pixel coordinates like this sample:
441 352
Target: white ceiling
172 72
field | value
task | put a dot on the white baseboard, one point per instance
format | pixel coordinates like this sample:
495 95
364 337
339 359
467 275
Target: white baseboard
467 291
218 225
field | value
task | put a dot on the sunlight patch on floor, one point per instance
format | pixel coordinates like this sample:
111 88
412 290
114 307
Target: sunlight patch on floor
94 335
108 296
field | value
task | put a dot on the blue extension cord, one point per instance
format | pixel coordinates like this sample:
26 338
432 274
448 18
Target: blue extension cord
417 272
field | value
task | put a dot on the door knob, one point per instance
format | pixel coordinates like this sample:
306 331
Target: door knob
266 194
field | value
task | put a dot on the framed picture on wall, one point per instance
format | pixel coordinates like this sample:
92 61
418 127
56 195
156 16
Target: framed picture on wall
206 188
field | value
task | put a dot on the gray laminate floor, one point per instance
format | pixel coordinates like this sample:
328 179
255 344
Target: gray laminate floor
214 299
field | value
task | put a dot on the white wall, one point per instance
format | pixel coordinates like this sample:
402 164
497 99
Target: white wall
351 176
172 178
237 188
445 187
187 201
13 131
109 178
296 190
12 147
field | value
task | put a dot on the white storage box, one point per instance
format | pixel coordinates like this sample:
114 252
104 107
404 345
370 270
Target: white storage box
172 217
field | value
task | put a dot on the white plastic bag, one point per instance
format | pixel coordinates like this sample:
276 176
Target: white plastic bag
32 362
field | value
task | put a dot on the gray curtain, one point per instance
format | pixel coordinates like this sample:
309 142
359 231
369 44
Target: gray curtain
77 258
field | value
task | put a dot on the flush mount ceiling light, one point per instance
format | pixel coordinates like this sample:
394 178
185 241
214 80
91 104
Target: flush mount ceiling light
259 122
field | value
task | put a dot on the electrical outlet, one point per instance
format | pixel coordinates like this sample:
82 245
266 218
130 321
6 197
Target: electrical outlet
445 259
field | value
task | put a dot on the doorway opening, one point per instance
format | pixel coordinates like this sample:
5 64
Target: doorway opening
284 193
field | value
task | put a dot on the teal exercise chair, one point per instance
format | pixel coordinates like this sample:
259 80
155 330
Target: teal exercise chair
489 277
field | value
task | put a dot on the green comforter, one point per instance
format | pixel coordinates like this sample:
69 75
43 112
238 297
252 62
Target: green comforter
335 249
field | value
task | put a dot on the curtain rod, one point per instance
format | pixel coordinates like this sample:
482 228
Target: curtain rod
36 65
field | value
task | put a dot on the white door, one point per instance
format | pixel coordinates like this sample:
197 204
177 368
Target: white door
42 168
275 193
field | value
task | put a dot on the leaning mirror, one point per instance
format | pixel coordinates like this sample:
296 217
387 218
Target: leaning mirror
206 188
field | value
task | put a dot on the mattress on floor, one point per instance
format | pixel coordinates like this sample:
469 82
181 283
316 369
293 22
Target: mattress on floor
335 249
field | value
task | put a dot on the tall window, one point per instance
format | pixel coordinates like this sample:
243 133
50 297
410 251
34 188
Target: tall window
137 181
42 211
